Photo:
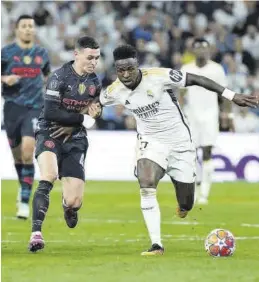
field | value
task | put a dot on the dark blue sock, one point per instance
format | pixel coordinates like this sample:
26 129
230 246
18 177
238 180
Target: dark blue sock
26 180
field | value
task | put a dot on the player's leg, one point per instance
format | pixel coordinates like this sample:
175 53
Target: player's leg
73 191
185 196
13 120
208 139
182 171
149 173
72 174
47 156
207 170
27 152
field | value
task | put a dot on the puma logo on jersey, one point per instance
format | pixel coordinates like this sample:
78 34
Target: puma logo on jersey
127 102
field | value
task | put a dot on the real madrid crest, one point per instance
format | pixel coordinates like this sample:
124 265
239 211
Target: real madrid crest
27 60
81 88
150 94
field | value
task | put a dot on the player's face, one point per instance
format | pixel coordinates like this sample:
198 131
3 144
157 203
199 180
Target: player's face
127 71
25 30
87 59
201 50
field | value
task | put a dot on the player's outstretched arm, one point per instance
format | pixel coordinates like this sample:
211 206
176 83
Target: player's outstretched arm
239 99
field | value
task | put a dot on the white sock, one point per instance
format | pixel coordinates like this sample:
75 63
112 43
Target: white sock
207 170
151 213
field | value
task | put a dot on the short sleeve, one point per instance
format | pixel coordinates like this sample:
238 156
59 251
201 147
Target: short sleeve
106 98
53 88
175 78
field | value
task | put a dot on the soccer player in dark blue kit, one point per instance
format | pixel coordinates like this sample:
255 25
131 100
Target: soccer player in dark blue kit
24 65
70 105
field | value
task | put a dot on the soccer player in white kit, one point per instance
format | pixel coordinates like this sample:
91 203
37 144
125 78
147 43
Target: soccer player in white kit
164 140
202 110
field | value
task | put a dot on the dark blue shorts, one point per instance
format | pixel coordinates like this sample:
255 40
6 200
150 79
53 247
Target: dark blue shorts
19 121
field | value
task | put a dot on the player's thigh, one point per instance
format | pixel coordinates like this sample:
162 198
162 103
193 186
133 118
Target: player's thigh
149 173
27 149
13 116
72 163
73 191
29 123
47 154
182 166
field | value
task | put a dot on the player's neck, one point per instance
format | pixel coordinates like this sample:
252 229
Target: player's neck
138 80
78 70
201 62
24 45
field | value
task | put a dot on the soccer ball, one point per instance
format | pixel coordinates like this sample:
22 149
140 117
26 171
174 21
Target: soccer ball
220 243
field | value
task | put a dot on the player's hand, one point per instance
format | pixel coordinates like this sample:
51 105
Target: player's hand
60 131
251 101
94 110
11 79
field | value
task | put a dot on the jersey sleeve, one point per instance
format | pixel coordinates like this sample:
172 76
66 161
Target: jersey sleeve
174 78
53 88
52 104
108 95
4 60
46 66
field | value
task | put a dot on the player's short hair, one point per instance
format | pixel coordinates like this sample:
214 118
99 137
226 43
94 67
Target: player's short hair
23 17
124 52
86 42
200 41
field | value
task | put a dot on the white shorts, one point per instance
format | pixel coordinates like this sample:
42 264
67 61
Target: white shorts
204 132
181 166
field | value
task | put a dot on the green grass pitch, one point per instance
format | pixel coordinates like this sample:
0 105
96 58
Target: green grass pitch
106 244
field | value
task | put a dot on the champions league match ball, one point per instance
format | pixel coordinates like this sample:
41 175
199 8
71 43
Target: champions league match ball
220 243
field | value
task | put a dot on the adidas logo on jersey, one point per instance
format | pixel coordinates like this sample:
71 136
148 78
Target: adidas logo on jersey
127 102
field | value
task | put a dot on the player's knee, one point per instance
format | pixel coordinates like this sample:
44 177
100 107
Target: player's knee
147 182
49 176
73 201
27 154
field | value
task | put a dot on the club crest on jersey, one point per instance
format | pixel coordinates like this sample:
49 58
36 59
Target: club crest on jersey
150 94
27 60
38 60
91 90
81 88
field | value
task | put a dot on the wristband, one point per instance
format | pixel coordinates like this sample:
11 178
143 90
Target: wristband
88 121
228 94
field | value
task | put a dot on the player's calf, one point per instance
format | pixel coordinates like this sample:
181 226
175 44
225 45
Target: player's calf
185 197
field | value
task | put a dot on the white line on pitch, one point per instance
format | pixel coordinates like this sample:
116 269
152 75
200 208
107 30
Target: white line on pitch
196 238
249 225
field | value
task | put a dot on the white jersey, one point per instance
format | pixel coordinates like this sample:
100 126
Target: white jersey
201 102
154 106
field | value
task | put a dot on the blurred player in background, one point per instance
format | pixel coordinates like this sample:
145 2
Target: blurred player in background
202 110
70 92
165 142
23 66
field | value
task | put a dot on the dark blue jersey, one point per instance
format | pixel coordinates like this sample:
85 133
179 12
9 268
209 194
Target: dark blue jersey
67 94
31 64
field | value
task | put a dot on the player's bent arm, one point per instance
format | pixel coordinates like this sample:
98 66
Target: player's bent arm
53 112
239 99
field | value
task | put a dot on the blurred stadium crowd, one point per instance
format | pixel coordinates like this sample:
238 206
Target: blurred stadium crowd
161 31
